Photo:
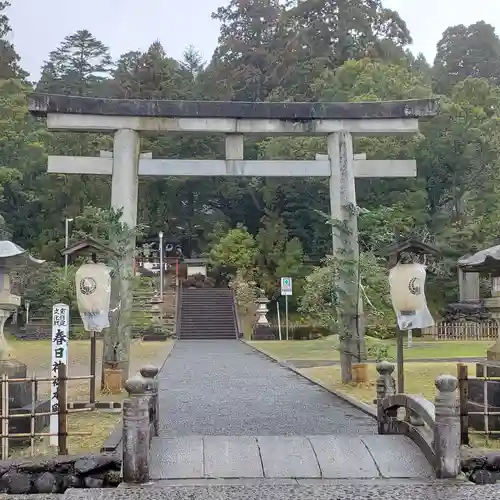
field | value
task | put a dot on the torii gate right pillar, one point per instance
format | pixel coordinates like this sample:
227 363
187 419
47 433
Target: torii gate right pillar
346 247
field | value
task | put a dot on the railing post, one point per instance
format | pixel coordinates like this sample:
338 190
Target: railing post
150 372
136 431
447 428
62 411
463 392
386 386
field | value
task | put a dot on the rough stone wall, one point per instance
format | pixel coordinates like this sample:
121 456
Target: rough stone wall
481 466
56 475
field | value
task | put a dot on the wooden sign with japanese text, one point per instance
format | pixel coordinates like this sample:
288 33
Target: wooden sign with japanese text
60 333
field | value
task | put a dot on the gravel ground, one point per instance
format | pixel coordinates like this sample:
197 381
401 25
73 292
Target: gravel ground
227 388
357 490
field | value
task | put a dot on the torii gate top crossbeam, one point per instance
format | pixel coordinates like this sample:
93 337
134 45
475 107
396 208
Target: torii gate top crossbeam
267 118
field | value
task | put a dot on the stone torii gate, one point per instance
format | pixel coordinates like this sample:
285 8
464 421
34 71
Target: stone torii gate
127 119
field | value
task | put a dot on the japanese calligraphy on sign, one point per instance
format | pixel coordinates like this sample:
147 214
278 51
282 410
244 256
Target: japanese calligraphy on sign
60 333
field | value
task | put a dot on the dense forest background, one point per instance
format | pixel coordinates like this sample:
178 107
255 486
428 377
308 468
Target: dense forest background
309 50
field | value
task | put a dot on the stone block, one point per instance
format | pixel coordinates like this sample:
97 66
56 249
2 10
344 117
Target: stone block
23 425
165 453
263 332
288 457
232 457
19 392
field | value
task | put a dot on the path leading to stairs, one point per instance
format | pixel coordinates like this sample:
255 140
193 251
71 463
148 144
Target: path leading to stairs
227 388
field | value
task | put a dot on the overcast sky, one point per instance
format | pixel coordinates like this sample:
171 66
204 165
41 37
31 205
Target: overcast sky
40 25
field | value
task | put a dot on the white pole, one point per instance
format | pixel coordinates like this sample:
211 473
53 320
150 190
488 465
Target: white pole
161 264
279 319
410 339
66 240
286 315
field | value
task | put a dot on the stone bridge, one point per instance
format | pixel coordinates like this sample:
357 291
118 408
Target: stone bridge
220 414
221 421
227 412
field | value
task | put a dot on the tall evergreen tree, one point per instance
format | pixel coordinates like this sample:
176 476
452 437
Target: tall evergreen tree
9 59
243 61
465 51
79 66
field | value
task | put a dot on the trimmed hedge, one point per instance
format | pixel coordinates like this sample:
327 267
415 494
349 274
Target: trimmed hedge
298 331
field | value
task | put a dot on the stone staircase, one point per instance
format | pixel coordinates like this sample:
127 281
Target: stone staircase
207 313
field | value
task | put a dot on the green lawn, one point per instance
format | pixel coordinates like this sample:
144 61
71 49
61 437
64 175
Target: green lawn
419 379
327 348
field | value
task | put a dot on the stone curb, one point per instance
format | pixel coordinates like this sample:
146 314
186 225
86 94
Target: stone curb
359 405
174 341
98 405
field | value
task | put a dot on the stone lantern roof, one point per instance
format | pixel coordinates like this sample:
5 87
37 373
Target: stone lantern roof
484 261
13 255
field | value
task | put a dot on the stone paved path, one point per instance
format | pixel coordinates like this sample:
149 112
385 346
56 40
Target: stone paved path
228 388
285 457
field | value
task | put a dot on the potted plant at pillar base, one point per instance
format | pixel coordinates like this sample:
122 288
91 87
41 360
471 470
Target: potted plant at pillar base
112 375
359 370
359 373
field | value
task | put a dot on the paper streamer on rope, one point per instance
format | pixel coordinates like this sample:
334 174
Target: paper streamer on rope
407 285
93 290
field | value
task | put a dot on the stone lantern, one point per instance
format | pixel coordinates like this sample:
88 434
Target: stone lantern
11 256
20 393
470 268
262 330
156 310
485 262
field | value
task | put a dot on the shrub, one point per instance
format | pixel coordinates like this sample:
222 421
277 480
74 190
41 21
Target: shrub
297 331
199 281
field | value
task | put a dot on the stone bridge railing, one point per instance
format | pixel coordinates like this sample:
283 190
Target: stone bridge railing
140 424
434 427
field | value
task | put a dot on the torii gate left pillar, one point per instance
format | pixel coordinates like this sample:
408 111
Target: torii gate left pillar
128 118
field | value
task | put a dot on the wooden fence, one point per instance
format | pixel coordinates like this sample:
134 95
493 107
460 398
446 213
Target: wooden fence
477 415
60 381
463 330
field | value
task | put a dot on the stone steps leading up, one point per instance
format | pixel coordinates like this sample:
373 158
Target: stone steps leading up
207 313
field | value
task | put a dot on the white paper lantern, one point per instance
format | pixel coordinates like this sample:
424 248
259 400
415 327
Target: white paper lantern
407 285
93 290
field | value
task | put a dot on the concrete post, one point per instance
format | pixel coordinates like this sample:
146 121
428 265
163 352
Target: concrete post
234 147
343 208
386 386
124 196
447 428
136 432
150 373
